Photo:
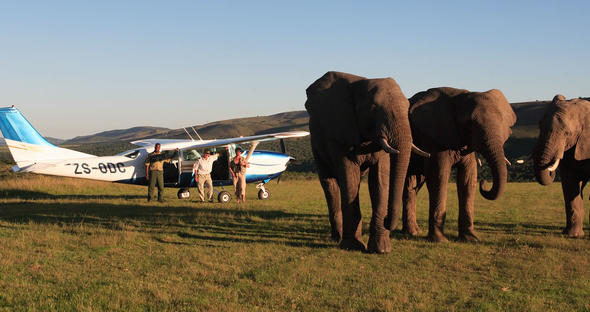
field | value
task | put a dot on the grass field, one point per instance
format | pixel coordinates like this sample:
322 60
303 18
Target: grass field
75 245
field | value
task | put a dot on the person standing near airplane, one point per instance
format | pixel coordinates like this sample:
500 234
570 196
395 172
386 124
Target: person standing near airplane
202 169
154 171
237 167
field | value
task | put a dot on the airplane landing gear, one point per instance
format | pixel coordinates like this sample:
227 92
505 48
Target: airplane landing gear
183 194
224 197
263 193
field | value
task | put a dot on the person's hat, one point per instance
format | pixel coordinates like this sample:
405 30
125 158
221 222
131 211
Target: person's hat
207 152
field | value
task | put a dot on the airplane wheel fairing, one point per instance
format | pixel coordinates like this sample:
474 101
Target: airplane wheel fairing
263 194
224 197
183 194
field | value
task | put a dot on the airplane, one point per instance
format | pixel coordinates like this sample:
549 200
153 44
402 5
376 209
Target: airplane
33 153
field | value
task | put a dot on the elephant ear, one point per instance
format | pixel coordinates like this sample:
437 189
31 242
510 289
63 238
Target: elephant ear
583 144
432 114
331 107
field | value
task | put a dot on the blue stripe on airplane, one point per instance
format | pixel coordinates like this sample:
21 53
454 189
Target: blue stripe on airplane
16 127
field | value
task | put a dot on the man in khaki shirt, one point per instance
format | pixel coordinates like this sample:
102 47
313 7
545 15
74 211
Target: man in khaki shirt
202 169
154 171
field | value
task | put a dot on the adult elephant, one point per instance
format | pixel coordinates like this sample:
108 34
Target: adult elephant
358 125
452 125
564 142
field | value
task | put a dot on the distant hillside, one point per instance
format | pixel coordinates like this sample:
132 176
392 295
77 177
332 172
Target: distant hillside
54 140
289 121
118 135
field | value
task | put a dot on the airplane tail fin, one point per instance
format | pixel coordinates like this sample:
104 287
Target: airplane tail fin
26 145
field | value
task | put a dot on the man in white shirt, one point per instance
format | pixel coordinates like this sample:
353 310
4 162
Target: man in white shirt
202 169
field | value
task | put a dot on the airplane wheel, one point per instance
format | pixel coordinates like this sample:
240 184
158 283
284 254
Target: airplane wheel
224 197
183 194
263 195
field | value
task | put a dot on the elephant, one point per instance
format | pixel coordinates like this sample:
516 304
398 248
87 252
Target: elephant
564 143
359 125
453 125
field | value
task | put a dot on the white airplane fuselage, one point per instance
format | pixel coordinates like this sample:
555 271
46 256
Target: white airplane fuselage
129 166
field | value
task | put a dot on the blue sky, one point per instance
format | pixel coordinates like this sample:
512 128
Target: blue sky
80 67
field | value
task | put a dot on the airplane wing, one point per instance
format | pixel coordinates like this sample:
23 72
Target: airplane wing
223 142
253 138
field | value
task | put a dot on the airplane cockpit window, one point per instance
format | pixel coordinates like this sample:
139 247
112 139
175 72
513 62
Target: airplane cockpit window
192 154
132 155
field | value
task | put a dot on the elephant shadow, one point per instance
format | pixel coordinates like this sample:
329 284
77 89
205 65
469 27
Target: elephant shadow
527 228
192 225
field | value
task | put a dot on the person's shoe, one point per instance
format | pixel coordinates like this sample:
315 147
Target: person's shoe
161 200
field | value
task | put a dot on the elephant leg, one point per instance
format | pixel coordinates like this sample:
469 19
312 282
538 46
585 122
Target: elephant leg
466 189
437 179
378 188
411 189
332 193
349 176
574 205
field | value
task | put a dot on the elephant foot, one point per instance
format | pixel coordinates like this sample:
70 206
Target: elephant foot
437 237
352 244
379 245
413 230
573 232
468 237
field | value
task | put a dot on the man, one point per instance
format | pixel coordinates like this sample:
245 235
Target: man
154 171
202 169
237 168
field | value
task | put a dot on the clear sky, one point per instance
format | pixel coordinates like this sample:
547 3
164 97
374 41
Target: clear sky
80 67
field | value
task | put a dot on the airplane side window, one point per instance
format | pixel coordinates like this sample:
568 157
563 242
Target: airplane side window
191 155
133 154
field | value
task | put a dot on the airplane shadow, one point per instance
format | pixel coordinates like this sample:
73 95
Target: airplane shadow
33 195
189 224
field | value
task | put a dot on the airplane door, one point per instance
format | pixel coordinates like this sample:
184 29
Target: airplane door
172 170
220 171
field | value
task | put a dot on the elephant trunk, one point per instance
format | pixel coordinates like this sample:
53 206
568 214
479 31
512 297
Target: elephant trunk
546 160
494 155
399 162
544 176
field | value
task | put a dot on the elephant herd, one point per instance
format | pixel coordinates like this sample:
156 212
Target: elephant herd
361 125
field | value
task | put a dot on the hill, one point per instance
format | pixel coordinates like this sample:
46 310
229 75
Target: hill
289 121
117 135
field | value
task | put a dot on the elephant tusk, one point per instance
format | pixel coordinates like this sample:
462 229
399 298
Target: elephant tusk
479 162
507 161
420 152
554 166
386 147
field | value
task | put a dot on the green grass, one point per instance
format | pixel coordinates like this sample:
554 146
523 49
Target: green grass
77 245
